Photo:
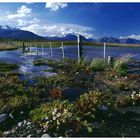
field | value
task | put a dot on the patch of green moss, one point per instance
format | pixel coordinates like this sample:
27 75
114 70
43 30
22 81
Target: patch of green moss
49 70
39 62
6 67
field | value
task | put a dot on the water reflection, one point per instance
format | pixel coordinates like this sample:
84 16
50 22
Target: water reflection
25 60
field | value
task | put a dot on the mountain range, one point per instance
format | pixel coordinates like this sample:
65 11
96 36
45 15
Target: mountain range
68 37
118 40
7 32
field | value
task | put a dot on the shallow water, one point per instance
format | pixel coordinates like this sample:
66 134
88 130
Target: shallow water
25 60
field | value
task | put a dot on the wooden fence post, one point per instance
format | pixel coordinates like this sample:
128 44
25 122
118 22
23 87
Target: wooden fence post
104 50
42 49
36 48
110 60
80 47
23 47
63 53
51 49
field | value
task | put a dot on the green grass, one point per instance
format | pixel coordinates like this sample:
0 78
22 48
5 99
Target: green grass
98 64
6 67
39 62
56 44
120 64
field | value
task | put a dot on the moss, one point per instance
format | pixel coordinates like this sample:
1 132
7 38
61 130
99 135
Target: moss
49 70
6 67
40 62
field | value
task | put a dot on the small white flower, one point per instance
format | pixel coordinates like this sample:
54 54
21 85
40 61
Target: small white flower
132 96
53 113
134 92
77 73
55 110
24 121
19 124
115 76
58 123
21 112
126 77
63 121
58 115
54 118
29 123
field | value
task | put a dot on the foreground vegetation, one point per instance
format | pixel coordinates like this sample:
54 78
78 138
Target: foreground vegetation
85 99
5 67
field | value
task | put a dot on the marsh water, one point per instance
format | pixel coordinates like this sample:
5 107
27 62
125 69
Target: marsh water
25 60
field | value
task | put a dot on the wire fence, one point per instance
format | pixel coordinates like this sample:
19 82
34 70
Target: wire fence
88 52
60 50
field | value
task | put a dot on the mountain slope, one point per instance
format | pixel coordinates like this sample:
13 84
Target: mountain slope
117 40
14 33
108 40
129 41
7 32
68 37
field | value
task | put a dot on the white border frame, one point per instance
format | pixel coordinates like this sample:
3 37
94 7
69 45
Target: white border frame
72 1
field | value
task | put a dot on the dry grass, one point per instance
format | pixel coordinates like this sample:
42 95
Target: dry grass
4 46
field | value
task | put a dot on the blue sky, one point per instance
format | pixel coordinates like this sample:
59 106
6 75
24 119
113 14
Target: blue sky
89 19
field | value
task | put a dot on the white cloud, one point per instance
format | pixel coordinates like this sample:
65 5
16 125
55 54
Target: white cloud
60 30
23 22
131 36
22 11
54 6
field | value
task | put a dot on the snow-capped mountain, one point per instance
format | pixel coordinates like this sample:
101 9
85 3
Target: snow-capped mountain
68 37
8 32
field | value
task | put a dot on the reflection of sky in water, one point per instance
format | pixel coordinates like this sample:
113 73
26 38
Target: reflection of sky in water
26 60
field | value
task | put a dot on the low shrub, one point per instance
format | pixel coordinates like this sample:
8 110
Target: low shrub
123 101
120 64
98 64
73 119
122 85
56 92
15 104
83 62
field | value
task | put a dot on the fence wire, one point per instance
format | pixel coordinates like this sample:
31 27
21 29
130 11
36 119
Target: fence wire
89 52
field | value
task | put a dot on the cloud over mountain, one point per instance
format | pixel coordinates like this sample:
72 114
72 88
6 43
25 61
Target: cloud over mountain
131 36
60 30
